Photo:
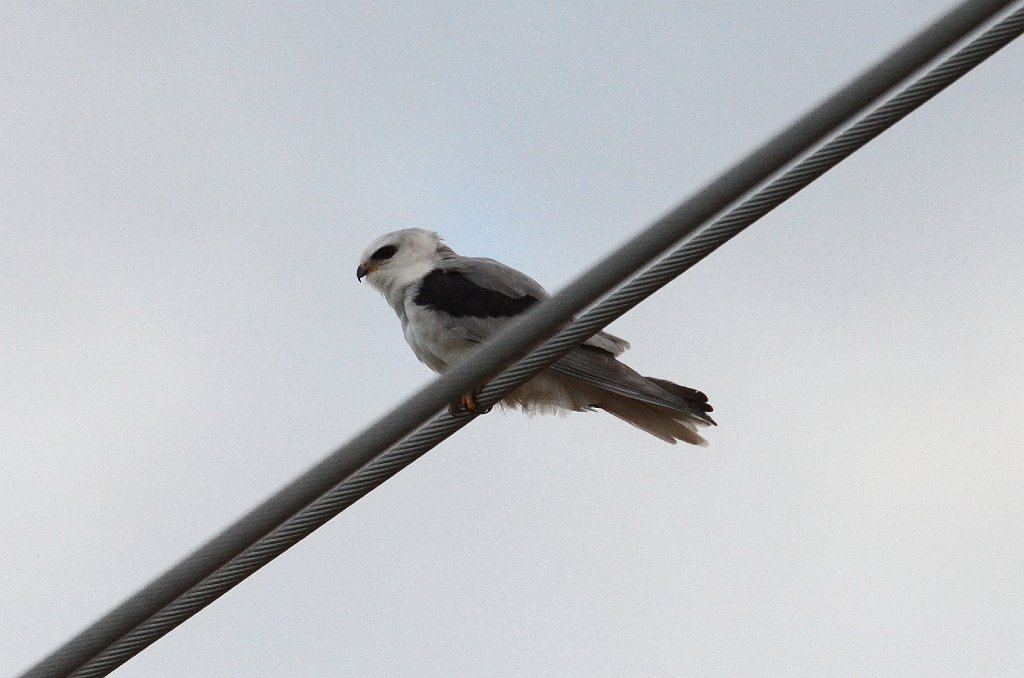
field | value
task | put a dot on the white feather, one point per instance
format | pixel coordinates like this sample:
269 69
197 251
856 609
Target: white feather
590 377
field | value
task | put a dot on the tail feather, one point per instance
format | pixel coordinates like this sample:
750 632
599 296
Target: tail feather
659 407
661 422
696 401
600 369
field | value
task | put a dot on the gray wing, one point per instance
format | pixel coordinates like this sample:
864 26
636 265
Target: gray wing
494 277
600 368
478 296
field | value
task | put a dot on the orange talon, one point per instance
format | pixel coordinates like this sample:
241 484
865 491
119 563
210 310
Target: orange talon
467 405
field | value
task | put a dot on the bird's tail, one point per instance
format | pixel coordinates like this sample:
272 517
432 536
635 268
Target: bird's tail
662 422
585 379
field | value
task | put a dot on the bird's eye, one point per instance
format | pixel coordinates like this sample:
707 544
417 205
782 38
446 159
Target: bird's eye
385 252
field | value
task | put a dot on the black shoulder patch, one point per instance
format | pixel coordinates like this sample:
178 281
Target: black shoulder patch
456 295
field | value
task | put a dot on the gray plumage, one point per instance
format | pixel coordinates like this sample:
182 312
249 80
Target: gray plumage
448 304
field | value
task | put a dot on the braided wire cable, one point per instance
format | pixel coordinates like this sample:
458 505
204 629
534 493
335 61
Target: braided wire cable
680 260
127 630
761 203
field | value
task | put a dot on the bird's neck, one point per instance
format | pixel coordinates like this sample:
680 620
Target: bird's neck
395 285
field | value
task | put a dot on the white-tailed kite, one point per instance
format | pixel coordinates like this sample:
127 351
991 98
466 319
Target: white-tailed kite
448 304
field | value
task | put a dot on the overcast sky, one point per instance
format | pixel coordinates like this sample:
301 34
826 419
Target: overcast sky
184 193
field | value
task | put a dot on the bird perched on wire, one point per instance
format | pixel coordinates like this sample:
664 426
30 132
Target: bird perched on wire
448 304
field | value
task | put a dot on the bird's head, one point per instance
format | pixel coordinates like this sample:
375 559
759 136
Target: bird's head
397 259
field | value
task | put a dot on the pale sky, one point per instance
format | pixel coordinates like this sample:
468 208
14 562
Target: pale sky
184 194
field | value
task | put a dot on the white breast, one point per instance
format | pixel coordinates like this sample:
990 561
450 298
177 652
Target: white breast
432 340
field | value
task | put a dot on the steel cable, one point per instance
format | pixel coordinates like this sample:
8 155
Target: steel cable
227 559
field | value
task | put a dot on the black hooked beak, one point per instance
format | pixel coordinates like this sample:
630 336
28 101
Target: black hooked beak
361 272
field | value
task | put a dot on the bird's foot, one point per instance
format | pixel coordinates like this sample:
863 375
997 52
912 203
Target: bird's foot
467 405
